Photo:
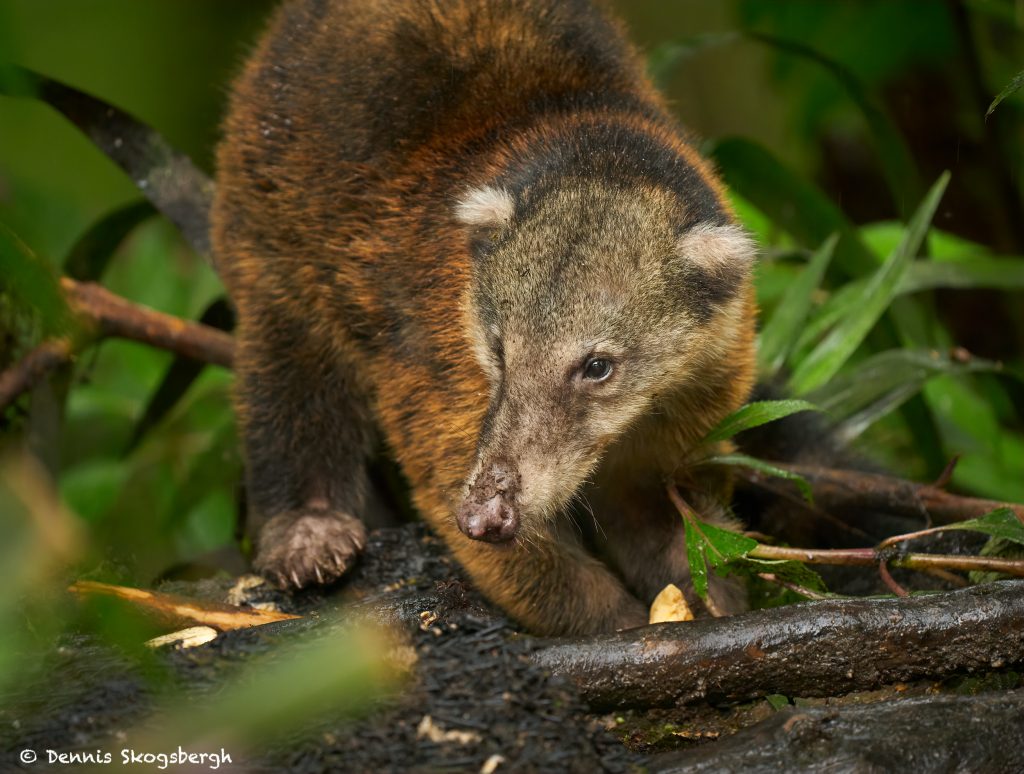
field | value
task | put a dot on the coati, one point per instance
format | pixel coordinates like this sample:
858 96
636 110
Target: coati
470 228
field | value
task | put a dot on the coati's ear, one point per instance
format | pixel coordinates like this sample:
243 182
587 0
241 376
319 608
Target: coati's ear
718 249
485 207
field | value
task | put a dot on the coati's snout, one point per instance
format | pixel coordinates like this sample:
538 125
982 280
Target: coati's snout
490 511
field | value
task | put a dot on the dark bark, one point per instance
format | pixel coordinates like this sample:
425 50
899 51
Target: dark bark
822 648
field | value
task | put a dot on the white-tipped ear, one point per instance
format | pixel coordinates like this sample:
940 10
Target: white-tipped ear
717 247
486 206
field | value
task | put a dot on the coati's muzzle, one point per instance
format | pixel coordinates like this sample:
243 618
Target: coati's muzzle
489 512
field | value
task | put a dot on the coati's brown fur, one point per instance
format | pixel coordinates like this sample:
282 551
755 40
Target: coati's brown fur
471 227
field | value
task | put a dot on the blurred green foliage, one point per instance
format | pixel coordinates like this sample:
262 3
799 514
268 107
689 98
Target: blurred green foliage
829 121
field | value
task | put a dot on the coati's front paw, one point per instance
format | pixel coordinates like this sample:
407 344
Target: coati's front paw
306 547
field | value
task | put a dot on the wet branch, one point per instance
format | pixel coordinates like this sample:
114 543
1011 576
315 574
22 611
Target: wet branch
819 648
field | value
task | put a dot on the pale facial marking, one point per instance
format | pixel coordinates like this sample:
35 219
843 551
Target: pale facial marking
485 207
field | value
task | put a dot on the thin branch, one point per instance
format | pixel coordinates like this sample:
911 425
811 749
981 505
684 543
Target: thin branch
118 317
113 316
31 369
795 588
889 581
870 557
834 488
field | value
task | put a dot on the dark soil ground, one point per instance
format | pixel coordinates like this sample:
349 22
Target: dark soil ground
472 675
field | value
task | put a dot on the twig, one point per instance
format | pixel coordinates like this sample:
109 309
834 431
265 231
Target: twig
870 557
27 372
797 589
947 473
820 648
113 316
889 581
116 316
834 488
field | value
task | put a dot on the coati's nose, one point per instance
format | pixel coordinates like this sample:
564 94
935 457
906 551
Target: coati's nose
489 511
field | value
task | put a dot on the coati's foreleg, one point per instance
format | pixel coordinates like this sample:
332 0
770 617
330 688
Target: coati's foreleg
307 434
549 583
643 536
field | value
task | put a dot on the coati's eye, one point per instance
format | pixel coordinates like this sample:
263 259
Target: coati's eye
597 369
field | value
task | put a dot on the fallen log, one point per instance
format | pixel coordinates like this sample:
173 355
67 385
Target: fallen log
819 648
928 733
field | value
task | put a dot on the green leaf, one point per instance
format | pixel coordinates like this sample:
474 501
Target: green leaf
695 553
777 701
833 352
1013 86
725 545
754 415
767 468
780 332
707 545
787 570
180 377
883 382
966 273
1000 523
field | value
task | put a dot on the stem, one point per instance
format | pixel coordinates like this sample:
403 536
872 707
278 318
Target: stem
796 588
888 580
870 557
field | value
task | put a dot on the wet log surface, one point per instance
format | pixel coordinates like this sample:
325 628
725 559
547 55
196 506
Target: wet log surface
822 648
474 674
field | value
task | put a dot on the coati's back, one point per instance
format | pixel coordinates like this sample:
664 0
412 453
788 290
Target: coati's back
471 226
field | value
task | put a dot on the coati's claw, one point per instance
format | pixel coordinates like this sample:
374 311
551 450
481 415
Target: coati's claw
308 547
